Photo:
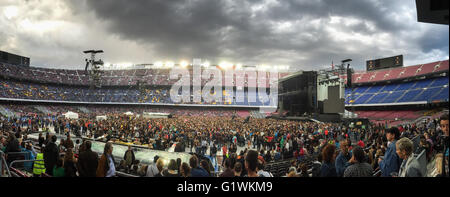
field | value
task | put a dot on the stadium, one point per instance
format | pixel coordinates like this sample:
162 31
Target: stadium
341 121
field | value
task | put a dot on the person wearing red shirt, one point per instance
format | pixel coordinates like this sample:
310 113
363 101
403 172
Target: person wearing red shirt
361 144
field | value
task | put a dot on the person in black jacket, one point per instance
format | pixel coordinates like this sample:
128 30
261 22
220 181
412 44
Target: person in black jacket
70 161
87 161
41 140
51 155
13 146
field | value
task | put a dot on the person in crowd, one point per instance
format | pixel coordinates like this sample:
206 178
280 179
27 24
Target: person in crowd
303 170
205 165
152 170
40 140
342 160
68 143
178 166
87 161
31 155
76 149
410 166
13 146
61 147
437 172
228 172
251 162
171 169
328 168
391 162
444 125
359 167
185 170
260 168
58 169
238 169
129 157
160 167
196 170
106 165
39 166
70 161
51 155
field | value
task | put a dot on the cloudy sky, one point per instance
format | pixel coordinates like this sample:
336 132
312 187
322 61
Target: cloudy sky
300 33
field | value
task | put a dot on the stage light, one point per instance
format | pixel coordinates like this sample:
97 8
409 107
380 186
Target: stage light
169 64
225 65
184 64
239 66
159 64
206 64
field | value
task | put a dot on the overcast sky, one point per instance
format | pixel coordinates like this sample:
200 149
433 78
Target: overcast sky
307 34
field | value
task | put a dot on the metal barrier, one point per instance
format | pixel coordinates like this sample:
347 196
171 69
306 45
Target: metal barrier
18 173
121 174
21 161
377 173
3 163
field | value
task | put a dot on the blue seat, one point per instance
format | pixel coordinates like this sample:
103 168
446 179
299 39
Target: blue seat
409 96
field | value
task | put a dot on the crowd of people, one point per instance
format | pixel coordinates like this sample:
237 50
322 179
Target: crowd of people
129 94
109 77
339 149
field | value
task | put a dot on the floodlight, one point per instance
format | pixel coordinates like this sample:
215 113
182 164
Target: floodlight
159 64
184 64
170 64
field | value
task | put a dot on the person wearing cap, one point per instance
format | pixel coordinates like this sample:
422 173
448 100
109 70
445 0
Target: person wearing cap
391 162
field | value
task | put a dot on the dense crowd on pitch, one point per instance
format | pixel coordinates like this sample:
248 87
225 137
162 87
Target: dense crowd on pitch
339 150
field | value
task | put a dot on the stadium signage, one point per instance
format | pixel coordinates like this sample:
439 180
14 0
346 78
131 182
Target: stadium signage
214 91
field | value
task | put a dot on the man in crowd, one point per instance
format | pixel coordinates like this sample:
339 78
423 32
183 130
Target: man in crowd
251 162
359 167
51 155
196 170
87 161
391 162
343 158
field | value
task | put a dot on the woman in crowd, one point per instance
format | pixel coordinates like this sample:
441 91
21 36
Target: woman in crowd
70 161
328 168
185 170
106 165
171 169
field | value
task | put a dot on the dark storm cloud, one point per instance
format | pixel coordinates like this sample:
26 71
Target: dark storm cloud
302 33
176 27
434 38
203 28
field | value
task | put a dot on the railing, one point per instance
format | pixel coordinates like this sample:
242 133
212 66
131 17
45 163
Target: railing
122 174
3 164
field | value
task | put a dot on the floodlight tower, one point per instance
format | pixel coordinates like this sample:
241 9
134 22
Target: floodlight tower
95 74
